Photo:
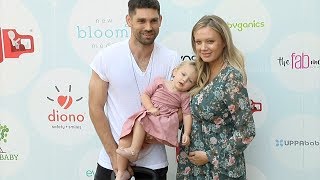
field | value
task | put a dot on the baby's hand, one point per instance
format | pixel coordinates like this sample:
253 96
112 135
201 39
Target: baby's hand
154 111
185 140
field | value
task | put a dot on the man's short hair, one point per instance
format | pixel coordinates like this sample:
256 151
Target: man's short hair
138 4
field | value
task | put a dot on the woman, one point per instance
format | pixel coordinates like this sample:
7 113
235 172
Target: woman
223 125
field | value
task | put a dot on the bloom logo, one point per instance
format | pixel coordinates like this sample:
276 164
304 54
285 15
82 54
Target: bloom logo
299 61
98 29
12 44
102 36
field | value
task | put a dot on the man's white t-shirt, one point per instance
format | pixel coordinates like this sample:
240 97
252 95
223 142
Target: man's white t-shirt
116 65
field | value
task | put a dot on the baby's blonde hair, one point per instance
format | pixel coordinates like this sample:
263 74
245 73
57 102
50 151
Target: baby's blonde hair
187 62
190 63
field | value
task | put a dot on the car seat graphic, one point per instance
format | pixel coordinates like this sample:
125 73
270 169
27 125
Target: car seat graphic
13 44
255 106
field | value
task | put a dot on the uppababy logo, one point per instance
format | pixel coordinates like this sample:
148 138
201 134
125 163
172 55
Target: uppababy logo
4 156
12 44
3 135
294 143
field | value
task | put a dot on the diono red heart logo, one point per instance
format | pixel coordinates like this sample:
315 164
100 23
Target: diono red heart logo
65 101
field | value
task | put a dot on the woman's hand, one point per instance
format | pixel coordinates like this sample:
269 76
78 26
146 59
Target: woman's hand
198 158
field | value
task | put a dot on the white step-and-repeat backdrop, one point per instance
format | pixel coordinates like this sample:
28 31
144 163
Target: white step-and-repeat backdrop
46 46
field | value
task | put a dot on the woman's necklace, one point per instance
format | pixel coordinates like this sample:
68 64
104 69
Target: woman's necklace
147 75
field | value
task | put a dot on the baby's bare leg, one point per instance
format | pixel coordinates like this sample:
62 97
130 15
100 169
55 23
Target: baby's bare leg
123 162
131 152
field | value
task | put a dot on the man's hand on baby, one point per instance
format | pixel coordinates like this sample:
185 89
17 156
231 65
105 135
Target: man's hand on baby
185 140
154 111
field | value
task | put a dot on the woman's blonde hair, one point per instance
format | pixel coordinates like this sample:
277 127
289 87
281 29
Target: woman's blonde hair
230 54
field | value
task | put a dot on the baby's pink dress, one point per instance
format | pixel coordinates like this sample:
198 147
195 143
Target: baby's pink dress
164 127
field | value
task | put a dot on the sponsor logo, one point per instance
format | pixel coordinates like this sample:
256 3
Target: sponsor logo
295 143
299 60
255 106
4 155
60 118
12 44
89 173
102 30
241 26
188 57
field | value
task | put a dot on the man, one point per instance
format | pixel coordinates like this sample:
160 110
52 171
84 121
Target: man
120 74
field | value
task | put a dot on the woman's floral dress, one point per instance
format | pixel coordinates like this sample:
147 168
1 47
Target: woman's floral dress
222 126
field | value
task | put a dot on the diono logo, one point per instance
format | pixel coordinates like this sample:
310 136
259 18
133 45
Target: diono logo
12 44
64 101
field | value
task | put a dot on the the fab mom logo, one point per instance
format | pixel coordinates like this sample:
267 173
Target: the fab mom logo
12 44
4 156
295 62
61 117
299 60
